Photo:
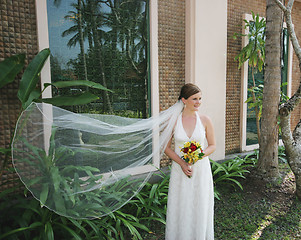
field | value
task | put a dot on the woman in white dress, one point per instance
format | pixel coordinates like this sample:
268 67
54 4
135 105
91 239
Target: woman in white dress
190 206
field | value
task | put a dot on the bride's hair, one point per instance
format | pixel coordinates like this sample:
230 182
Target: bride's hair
188 90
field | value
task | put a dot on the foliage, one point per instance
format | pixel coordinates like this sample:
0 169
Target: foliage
29 89
151 201
258 91
254 51
281 154
228 172
58 182
23 218
10 67
112 40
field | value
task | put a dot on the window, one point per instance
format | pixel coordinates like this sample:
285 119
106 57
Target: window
111 42
106 42
249 140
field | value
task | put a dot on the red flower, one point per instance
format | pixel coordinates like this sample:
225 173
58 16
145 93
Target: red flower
185 150
193 147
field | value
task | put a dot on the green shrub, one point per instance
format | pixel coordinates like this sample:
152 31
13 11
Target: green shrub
229 171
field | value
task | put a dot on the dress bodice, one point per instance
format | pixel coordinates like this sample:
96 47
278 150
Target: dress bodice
181 137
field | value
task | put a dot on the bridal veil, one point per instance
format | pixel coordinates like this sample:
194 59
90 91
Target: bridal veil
87 165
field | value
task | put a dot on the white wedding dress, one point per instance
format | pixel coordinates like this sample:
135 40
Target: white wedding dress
190 206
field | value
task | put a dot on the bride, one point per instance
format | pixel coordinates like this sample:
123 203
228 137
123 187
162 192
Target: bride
191 196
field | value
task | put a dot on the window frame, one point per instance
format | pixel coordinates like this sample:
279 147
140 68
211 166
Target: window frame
43 42
244 87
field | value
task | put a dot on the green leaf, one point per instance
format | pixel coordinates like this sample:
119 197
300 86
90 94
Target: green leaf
63 84
31 75
10 67
35 94
73 233
79 99
59 203
5 150
56 178
79 226
44 194
49 231
15 231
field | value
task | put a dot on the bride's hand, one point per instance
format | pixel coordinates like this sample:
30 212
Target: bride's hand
186 168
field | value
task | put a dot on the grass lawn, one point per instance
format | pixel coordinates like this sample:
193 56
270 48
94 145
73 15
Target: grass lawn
260 211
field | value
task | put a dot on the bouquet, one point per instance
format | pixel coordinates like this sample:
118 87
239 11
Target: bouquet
192 152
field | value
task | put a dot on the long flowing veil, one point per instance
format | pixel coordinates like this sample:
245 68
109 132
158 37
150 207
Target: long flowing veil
85 165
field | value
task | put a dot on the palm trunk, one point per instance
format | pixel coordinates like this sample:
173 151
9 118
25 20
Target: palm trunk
97 47
268 150
81 40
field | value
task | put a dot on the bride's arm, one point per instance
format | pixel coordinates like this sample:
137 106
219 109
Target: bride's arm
171 154
209 136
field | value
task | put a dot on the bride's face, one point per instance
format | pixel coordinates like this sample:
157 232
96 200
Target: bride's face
193 102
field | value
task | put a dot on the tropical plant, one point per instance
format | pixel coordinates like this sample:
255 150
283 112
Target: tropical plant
24 218
61 185
258 91
29 90
150 202
254 53
229 171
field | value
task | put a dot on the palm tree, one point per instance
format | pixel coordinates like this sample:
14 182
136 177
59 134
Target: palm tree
96 19
268 150
129 19
79 36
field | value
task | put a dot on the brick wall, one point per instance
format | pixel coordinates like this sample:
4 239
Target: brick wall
171 42
17 35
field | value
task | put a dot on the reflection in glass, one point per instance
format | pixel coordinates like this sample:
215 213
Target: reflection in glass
104 42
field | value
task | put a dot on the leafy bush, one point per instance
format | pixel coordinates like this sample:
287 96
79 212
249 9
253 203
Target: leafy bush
23 218
229 171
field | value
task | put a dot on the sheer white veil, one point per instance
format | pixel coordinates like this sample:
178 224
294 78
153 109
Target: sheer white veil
86 166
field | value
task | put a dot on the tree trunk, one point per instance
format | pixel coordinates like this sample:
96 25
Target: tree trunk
292 141
268 150
97 46
81 39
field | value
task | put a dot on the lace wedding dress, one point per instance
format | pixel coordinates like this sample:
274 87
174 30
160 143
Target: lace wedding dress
190 200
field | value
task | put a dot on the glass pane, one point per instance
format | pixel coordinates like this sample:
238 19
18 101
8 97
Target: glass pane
259 79
284 60
104 42
251 116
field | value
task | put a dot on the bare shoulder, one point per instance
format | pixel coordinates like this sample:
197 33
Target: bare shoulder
205 119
